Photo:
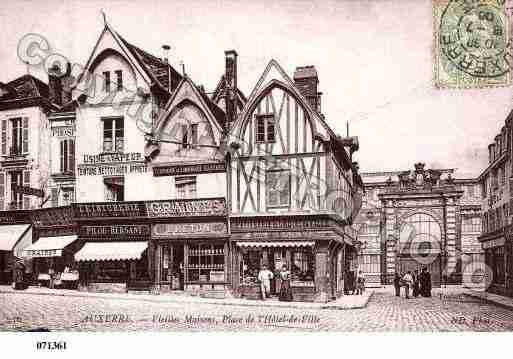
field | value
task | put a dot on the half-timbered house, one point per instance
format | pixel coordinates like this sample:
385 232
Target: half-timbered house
292 186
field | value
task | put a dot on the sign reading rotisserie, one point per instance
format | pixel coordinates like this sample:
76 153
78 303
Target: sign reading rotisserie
188 229
186 208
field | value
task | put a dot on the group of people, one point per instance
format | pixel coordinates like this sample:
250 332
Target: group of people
420 283
265 276
354 284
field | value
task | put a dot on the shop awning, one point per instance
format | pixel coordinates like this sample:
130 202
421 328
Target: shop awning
49 246
9 235
111 251
276 244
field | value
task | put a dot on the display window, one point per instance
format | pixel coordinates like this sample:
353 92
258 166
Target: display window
206 263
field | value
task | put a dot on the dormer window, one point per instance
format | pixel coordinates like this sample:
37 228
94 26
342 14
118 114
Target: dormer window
265 129
106 81
119 80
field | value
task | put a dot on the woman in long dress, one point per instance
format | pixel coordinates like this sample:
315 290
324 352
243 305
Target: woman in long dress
285 290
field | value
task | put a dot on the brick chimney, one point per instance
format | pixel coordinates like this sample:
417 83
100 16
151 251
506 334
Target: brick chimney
59 84
230 78
307 81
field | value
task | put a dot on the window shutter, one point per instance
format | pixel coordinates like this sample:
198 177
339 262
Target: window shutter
4 137
26 182
63 151
2 191
71 156
55 197
25 135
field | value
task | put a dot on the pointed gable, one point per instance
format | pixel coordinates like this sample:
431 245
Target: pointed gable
219 95
274 75
189 117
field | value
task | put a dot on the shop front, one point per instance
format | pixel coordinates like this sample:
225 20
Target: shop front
53 262
115 244
13 240
496 253
191 246
312 249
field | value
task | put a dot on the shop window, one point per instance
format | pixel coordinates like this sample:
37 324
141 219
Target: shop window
264 129
495 259
68 196
114 189
206 263
185 187
278 188
302 266
67 157
113 134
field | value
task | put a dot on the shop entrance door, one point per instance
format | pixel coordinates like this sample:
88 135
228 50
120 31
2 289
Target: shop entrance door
179 267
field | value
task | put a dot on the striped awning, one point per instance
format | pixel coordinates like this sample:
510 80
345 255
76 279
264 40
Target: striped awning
49 246
276 244
111 251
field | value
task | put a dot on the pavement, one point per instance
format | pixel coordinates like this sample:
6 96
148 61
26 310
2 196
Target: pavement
344 302
448 310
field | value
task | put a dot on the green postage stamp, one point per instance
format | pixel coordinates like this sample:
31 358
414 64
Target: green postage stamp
472 43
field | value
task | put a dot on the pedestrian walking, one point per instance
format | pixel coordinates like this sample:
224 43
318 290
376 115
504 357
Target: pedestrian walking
397 284
265 276
425 283
360 283
416 283
285 290
408 283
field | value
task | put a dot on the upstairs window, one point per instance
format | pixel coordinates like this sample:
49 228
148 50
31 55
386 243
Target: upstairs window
106 81
67 163
119 80
190 136
113 134
15 136
114 189
265 129
185 187
278 188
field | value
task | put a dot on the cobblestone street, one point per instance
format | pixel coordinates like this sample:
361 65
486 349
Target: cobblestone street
384 312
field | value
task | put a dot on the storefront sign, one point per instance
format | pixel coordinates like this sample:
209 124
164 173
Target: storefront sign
62 216
14 217
498 242
189 169
116 230
105 210
63 131
110 170
44 253
187 208
189 229
112 158
28 191
257 224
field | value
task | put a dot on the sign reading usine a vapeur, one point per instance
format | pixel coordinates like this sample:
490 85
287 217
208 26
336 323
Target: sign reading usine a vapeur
189 208
188 229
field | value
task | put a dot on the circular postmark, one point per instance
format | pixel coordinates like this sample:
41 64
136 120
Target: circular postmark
473 38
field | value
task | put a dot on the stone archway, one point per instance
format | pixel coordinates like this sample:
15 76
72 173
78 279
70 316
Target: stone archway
420 245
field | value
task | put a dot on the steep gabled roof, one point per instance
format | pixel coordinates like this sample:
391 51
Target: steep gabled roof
23 91
218 113
221 89
156 68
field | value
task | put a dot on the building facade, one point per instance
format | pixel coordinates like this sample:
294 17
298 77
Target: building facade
150 183
496 209
420 218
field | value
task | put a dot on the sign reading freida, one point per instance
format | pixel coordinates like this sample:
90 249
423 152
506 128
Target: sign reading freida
188 229
187 208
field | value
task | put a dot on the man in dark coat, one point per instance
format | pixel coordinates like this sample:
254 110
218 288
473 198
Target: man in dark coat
425 283
416 283
397 284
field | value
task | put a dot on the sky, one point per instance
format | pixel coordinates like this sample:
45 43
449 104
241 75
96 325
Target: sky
374 59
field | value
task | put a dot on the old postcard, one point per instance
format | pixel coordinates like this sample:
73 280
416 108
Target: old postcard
256 166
